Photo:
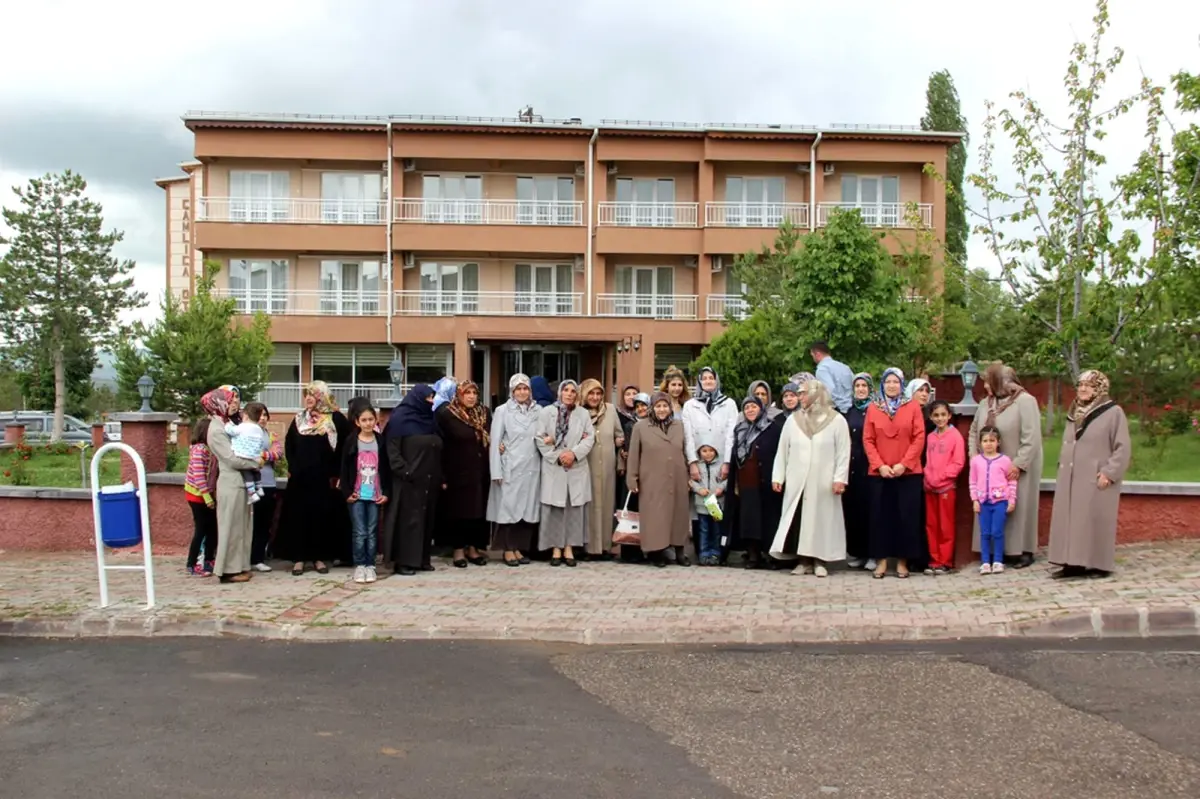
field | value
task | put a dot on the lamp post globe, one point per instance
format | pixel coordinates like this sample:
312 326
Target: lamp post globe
396 374
145 389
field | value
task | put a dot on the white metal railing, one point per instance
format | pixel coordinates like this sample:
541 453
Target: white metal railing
291 211
878 214
635 214
282 396
721 305
765 215
650 306
308 303
489 212
289 396
488 303
344 392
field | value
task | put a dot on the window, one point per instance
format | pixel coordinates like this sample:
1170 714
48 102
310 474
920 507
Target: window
352 365
427 363
284 364
259 285
877 198
545 200
350 287
449 288
258 196
646 202
544 289
351 198
453 198
754 202
646 291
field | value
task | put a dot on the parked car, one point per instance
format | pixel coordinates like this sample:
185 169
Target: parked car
40 424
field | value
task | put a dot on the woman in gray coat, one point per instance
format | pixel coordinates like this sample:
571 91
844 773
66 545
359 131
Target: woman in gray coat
565 437
515 501
234 522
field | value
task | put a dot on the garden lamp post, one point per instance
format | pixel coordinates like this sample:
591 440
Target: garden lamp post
396 373
145 389
969 374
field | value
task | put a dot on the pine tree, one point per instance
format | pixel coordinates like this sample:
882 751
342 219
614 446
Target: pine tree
943 112
59 282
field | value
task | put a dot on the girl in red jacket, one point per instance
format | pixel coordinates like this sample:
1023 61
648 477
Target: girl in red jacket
945 456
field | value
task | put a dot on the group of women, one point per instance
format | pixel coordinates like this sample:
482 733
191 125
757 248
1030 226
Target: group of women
806 485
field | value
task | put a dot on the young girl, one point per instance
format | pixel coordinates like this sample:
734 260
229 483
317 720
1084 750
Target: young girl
994 497
198 486
366 484
945 456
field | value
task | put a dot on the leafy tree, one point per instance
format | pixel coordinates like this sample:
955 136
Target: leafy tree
59 282
1053 231
759 347
130 363
200 346
10 390
768 273
943 112
36 377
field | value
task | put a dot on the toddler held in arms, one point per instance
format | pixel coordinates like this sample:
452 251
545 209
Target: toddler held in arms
248 441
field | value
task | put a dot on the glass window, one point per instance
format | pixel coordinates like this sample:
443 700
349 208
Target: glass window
453 198
259 285
258 196
333 373
642 201
350 197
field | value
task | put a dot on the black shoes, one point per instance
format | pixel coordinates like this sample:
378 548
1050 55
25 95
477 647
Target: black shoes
569 562
405 571
460 563
556 561
1025 561
1068 573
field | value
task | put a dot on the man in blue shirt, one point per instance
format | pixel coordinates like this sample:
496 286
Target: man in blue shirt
836 376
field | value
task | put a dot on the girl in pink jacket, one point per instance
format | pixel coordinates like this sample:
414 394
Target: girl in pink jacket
994 496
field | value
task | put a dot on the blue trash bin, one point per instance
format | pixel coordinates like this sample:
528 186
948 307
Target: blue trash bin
120 517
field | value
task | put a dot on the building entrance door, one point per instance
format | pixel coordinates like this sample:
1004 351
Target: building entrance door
551 361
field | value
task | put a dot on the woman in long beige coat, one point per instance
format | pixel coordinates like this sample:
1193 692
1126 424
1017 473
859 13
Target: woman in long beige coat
1095 455
602 463
564 439
234 523
657 472
1014 412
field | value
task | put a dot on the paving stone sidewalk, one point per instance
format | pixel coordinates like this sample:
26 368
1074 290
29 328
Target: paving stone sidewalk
1156 591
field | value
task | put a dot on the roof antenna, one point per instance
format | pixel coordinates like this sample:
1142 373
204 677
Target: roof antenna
526 114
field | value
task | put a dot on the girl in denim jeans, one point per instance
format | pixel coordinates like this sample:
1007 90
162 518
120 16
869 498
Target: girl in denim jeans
366 483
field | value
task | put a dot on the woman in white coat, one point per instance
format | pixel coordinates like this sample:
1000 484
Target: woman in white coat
564 438
709 416
515 500
812 467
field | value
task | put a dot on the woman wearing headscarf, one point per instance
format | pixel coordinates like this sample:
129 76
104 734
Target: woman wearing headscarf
565 438
414 449
465 424
314 525
542 394
514 502
602 465
894 438
628 416
712 416
234 528
757 507
812 468
856 501
1087 491
762 390
443 392
1015 413
674 385
658 474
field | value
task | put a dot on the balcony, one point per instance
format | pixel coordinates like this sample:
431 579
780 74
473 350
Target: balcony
637 227
488 303
721 306
241 223
307 303
647 306
287 396
635 214
489 225
755 215
880 215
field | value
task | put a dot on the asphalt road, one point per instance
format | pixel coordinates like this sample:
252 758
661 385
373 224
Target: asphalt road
211 717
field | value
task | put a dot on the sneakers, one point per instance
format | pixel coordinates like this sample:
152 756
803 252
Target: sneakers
986 568
857 563
200 571
360 574
820 570
370 574
252 498
261 567
259 492
997 568
871 565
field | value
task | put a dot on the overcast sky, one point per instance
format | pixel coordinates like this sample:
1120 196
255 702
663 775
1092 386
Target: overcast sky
99 87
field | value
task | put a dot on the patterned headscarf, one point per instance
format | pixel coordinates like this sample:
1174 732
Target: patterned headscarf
563 423
217 402
747 431
514 382
1080 411
318 421
662 424
585 388
711 399
475 416
1004 390
862 404
820 411
789 388
885 403
443 391
800 378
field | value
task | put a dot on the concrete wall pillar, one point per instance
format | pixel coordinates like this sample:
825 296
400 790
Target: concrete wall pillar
147 434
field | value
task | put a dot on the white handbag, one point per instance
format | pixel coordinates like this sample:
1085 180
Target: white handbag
629 526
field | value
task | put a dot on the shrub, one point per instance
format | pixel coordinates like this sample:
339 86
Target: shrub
1176 421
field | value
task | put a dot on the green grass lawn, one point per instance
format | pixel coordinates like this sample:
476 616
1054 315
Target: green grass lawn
57 469
1177 460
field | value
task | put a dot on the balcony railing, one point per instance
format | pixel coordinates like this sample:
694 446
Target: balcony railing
488 212
635 214
722 305
879 214
647 306
344 392
288 396
764 215
286 211
488 303
308 303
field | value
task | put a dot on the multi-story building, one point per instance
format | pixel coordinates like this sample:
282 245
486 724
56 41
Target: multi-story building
483 247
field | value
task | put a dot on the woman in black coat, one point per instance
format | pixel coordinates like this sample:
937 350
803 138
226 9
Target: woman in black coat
414 449
758 508
856 504
466 433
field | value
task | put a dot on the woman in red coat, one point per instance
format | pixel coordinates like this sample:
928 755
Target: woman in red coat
894 438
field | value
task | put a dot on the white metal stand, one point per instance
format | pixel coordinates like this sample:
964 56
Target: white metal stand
144 506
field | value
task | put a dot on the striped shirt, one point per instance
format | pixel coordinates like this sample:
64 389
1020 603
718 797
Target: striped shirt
198 481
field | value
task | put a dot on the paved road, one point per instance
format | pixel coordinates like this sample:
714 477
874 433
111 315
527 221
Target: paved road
204 718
